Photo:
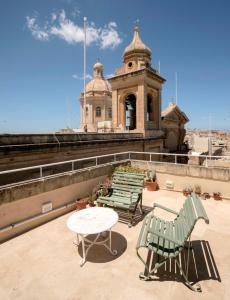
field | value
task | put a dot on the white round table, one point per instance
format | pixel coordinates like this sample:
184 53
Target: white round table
93 220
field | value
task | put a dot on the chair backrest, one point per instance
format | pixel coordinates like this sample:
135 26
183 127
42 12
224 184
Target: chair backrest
191 212
126 181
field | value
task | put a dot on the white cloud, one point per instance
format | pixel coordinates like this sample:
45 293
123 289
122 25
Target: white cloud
75 12
53 17
110 37
62 27
75 76
35 29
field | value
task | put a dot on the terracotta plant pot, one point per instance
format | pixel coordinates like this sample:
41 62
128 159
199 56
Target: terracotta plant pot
216 197
186 194
151 185
205 196
81 203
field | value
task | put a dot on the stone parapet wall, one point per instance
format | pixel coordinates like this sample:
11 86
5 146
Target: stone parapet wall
39 152
20 139
210 179
11 194
21 206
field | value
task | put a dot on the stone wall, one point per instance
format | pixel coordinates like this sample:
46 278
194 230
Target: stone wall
21 206
210 179
18 151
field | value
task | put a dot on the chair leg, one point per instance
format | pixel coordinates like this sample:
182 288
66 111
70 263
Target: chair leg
196 287
140 205
150 273
130 218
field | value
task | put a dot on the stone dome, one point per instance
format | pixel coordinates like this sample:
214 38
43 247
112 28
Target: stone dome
98 83
98 65
137 45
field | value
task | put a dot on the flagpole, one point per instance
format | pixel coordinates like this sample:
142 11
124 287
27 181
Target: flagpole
84 106
176 86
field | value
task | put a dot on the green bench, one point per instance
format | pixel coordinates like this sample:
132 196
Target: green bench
167 239
126 193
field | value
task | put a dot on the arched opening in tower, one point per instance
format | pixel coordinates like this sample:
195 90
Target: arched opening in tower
130 112
149 108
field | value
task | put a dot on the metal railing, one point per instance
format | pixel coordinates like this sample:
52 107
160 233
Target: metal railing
40 172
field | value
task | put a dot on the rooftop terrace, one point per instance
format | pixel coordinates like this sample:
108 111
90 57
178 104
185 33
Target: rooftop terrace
44 264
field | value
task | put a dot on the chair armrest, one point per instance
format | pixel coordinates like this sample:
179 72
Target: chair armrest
165 208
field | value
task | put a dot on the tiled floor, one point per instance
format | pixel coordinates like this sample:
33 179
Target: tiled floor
44 264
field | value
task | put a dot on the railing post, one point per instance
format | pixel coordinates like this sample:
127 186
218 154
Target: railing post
175 159
72 166
206 161
129 156
41 172
115 158
96 161
150 157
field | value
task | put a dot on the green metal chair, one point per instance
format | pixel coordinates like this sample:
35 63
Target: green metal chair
126 193
167 239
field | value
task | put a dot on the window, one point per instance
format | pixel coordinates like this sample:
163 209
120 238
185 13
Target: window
98 111
149 108
110 112
130 64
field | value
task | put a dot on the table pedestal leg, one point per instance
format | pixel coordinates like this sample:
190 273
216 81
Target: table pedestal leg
76 242
113 252
86 248
82 261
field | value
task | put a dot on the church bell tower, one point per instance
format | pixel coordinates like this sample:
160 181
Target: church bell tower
136 91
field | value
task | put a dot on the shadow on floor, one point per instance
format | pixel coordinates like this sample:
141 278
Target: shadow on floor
138 217
202 265
99 254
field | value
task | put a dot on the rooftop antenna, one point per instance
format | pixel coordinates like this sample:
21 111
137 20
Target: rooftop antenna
176 87
210 135
84 106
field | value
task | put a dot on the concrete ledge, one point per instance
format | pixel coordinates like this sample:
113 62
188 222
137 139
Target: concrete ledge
210 179
20 227
25 190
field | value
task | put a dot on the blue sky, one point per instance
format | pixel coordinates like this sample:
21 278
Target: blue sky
41 56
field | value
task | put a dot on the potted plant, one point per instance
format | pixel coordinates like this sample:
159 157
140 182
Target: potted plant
217 195
205 196
92 197
81 203
129 169
197 189
187 190
104 188
150 181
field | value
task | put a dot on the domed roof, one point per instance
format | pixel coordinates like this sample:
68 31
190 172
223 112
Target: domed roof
98 65
137 45
98 83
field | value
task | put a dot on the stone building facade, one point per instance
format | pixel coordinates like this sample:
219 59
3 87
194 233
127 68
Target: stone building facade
130 101
98 101
173 121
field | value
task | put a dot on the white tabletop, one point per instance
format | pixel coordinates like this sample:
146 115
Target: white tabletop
92 220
